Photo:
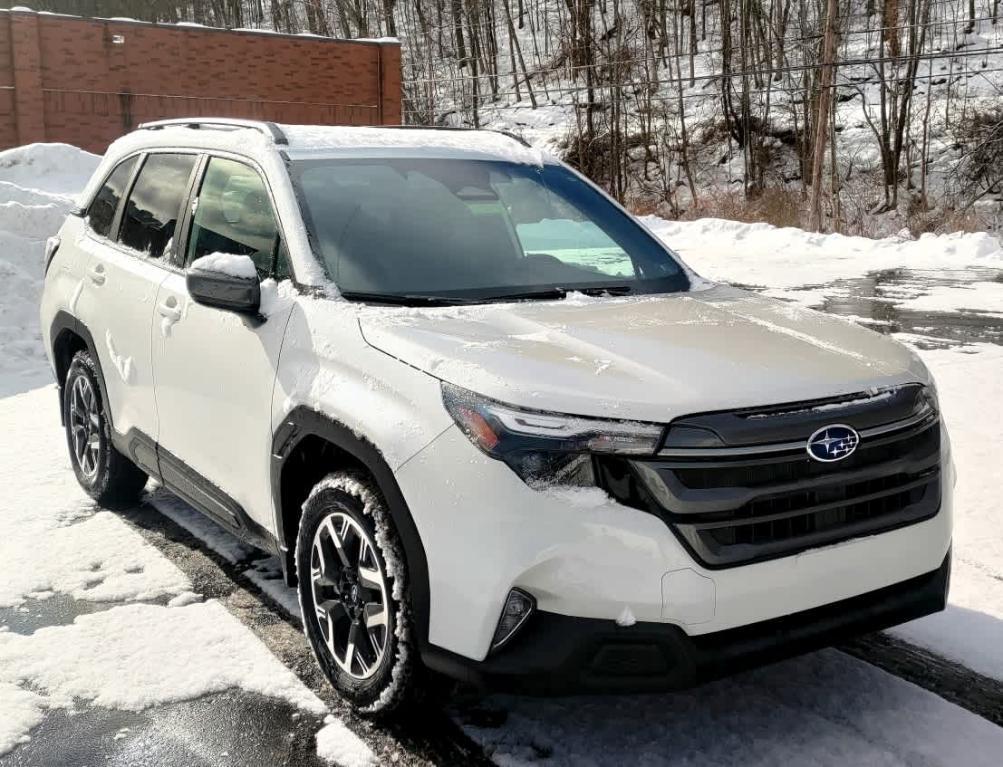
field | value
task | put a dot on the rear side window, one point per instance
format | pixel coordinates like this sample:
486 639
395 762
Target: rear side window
101 213
234 215
151 213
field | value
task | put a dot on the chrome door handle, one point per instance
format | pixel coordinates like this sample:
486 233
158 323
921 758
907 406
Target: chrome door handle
97 274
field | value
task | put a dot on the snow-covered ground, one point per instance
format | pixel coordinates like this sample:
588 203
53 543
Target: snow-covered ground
147 639
38 184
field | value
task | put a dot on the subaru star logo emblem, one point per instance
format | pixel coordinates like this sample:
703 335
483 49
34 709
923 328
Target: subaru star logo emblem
833 443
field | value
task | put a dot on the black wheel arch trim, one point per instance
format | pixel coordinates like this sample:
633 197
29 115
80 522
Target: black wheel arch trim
66 322
304 422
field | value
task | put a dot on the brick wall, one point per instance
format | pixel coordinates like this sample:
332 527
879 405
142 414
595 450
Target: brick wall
88 81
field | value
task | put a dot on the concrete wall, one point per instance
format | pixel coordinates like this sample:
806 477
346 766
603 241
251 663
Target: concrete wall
88 81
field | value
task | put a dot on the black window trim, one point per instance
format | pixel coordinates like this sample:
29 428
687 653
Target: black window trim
179 261
173 261
165 258
126 190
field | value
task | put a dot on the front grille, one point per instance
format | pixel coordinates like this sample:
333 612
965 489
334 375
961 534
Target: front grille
733 504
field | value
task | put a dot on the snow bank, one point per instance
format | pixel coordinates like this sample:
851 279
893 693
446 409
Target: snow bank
59 169
37 186
761 254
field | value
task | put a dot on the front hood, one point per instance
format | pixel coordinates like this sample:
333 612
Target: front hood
649 358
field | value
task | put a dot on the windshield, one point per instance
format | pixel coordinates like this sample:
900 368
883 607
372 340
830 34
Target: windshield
424 230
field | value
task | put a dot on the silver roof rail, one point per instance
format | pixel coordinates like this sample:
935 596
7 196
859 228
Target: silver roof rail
506 133
220 123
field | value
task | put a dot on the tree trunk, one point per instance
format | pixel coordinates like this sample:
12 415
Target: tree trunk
822 114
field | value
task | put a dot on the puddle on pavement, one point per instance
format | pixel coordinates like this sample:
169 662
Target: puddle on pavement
871 300
56 610
227 728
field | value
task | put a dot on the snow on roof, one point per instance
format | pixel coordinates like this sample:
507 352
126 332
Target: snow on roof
333 141
316 140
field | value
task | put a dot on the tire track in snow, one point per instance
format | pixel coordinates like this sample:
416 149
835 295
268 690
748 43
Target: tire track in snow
972 691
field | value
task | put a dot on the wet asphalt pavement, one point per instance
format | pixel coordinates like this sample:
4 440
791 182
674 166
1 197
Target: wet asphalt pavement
880 301
240 728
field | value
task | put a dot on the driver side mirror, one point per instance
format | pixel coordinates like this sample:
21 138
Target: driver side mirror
225 281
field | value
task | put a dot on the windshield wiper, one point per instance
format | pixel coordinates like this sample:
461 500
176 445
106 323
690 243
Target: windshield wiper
406 299
545 294
613 290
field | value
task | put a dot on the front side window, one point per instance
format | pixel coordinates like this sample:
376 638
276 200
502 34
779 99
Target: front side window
101 213
473 230
152 210
234 215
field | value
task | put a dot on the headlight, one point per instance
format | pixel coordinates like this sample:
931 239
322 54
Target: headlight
546 448
928 398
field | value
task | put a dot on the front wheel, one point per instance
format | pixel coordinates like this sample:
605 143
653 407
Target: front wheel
105 474
351 582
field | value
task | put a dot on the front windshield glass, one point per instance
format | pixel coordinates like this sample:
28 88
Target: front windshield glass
413 229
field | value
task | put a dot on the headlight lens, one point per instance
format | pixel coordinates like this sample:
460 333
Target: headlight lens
928 397
546 448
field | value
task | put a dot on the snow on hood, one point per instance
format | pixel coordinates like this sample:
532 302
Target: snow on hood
647 357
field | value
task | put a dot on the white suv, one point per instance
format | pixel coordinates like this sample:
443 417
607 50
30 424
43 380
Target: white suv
491 425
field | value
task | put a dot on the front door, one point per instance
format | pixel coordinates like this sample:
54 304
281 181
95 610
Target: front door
214 369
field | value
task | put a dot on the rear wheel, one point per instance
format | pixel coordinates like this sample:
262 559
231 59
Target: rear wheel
352 593
106 475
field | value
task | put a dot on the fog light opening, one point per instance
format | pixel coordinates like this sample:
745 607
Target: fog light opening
518 607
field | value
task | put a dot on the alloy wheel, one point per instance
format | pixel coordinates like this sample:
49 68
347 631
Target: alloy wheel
349 595
85 426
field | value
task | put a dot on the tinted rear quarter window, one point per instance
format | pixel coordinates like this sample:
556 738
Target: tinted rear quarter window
151 213
101 213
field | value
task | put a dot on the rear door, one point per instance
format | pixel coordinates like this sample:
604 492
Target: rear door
215 369
125 246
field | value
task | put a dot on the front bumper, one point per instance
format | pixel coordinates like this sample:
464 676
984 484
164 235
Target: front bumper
557 654
485 532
